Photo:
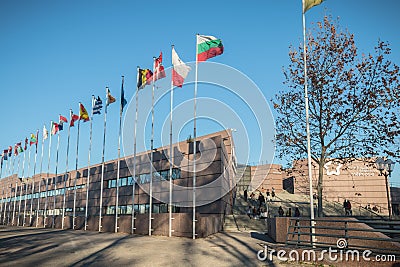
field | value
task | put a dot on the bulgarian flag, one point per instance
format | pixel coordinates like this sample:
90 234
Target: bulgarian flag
179 71
208 47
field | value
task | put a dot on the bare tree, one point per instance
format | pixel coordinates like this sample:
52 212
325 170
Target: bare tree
354 101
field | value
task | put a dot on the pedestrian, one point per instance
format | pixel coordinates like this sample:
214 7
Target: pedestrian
245 194
273 193
280 211
345 206
297 212
261 199
268 195
289 212
249 210
349 208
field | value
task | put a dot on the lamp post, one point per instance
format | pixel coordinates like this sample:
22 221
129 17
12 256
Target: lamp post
385 168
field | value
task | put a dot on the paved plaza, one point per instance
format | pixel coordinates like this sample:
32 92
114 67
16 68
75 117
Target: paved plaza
54 247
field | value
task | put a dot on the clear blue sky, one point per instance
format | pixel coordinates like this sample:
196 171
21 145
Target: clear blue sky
56 53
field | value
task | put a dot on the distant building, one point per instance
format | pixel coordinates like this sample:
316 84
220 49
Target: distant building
31 202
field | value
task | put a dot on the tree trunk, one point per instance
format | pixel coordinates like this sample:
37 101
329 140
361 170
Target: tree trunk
320 187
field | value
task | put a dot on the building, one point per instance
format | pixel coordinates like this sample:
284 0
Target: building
70 201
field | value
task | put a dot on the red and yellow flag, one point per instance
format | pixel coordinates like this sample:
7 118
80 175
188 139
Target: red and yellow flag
83 114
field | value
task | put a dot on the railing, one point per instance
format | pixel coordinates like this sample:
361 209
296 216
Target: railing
299 235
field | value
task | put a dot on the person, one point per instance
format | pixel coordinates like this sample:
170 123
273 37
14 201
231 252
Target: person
345 207
273 193
245 194
297 223
268 195
280 211
249 211
289 212
297 212
261 199
349 208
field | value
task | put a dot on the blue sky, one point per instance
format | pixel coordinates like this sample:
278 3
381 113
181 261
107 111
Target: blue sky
57 53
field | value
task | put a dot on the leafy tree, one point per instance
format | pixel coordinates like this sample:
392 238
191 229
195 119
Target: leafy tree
354 101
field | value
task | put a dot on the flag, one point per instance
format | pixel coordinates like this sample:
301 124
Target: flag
110 98
5 152
208 47
144 78
16 149
159 69
98 104
45 132
26 143
83 114
33 139
123 100
61 123
307 4
9 151
74 118
179 69
54 128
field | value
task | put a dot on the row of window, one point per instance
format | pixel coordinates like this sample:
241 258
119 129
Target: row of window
50 193
122 209
142 209
124 181
145 178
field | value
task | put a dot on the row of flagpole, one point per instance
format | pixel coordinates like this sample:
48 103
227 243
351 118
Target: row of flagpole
210 47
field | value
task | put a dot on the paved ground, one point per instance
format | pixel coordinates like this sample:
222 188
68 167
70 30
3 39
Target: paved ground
52 247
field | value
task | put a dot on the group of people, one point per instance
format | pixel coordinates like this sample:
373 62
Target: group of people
347 207
281 212
258 207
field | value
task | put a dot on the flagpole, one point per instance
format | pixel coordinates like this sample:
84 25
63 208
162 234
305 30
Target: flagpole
76 171
308 131
134 155
152 147
22 182
88 168
29 169
170 155
66 170
16 190
47 177
119 155
102 162
55 178
33 177
194 144
40 178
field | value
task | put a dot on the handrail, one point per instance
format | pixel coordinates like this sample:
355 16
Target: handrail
295 229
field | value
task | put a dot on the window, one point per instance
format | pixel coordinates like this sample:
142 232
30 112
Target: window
123 181
112 183
164 175
176 174
110 210
144 178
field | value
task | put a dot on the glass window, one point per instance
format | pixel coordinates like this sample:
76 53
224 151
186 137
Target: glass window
110 210
164 175
176 174
156 176
144 178
163 208
123 181
122 210
156 208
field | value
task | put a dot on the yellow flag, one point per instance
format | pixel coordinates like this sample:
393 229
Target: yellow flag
307 4
110 98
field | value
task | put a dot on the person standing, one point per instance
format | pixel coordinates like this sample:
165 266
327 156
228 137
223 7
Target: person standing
245 194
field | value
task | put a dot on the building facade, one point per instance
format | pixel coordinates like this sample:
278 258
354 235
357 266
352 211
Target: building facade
101 202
